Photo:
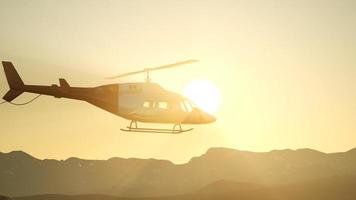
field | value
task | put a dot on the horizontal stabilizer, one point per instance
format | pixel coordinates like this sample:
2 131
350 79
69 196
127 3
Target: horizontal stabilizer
12 94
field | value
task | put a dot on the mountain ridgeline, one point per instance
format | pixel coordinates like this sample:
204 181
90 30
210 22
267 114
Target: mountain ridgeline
218 171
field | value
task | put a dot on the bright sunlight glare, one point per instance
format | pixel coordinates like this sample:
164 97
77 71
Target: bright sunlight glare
205 94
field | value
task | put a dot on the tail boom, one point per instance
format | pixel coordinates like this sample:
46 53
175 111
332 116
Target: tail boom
105 97
17 86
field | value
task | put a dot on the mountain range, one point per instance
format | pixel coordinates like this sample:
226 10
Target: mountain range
220 172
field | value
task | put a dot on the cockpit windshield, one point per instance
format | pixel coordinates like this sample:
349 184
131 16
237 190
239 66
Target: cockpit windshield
187 106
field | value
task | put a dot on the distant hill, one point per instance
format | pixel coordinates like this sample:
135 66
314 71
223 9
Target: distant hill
336 188
4 198
332 188
70 197
24 175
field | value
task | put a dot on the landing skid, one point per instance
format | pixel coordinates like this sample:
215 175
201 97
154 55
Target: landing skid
153 130
149 130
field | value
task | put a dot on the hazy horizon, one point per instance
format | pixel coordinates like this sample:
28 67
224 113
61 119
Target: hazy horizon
286 71
177 163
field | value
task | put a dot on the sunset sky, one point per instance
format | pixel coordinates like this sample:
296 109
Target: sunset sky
285 69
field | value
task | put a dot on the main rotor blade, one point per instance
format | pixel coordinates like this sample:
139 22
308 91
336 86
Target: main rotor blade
172 65
154 68
126 74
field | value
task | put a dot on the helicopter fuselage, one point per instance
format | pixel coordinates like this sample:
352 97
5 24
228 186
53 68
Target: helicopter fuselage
143 102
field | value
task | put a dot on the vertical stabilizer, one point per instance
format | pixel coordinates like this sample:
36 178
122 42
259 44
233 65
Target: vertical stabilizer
14 80
63 83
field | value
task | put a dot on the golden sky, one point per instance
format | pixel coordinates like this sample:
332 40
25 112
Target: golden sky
286 71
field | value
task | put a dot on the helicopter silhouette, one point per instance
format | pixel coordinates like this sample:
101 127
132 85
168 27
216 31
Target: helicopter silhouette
146 102
138 102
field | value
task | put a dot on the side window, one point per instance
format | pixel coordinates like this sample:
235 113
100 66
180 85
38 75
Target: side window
188 106
146 104
182 106
163 105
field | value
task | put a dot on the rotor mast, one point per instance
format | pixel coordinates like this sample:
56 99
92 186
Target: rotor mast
147 75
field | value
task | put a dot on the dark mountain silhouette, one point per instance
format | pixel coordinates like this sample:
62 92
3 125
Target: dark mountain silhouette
70 197
4 198
335 188
24 175
331 188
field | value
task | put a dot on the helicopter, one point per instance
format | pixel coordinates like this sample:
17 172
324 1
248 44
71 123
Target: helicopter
145 102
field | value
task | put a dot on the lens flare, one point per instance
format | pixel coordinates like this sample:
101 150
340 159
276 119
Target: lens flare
205 94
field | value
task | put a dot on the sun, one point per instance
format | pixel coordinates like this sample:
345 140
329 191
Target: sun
205 94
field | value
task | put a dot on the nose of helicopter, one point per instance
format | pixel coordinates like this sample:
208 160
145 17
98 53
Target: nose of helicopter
208 118
197 116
